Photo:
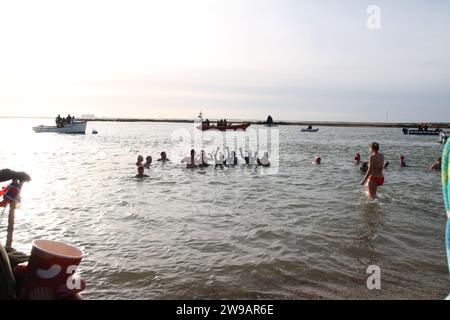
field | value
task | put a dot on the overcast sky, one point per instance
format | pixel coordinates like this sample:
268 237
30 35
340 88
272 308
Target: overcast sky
293 59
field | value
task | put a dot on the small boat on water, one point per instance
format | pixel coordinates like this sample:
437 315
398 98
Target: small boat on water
310 130
434 132
221 125
75 127
234 127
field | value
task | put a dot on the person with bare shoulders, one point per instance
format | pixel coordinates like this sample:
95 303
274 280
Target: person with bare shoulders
374 176
141 172
139 161
163 157
190 161
148 162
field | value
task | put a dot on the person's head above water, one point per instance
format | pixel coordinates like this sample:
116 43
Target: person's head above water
317 160
148 159
163 155
141 169
140 158
402 161
374 146
364 167
357 157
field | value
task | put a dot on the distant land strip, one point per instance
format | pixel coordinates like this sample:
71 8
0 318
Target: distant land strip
288 123
431 125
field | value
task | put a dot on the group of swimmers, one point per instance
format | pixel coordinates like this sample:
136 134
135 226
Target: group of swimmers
141 165
373 169
221 160
202 159
436 166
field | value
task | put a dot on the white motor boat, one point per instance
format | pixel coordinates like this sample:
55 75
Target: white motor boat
76 127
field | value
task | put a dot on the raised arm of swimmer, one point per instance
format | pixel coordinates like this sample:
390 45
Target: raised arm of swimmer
242 155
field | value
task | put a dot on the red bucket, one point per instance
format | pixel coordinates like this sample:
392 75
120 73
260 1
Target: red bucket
51 269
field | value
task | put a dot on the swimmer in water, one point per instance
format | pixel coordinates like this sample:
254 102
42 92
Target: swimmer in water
374 176
317 160
141 172
364 167
386 165
437 166
231 159
358 158
249 159
403 161
264 161
148 162
163 157
219 158
190 161
202 159
140 159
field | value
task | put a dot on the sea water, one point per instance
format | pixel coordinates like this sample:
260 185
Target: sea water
298 231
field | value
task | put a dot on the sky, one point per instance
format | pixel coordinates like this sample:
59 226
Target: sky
292 59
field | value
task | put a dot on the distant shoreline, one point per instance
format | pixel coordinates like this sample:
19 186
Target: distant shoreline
288 123
443 125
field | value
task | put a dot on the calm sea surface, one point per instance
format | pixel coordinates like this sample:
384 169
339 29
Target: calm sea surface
304 232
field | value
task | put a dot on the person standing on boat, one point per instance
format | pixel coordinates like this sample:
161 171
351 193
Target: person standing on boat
68 119
310 127
231 159
58 121
374 177
190 161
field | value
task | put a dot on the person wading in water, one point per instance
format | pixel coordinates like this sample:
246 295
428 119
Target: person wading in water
374 177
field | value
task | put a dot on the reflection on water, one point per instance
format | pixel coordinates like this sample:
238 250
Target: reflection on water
306 232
